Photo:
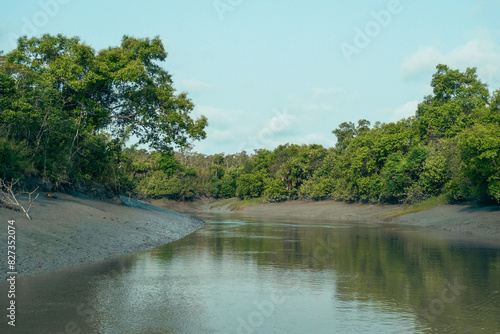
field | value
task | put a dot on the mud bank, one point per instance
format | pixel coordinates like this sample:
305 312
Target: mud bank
74 229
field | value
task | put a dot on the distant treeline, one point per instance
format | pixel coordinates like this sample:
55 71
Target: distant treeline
66 113
451 148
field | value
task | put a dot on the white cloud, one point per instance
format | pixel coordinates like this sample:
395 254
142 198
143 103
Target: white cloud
234 130
220 135
320 92
404 111
319 107
269 134
220 116
281 122
194 85
480 52
423 60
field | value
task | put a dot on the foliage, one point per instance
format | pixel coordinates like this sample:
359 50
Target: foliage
458 100
235 206
14 159
480 153
249 185
450 149
66 113
427 204
74 108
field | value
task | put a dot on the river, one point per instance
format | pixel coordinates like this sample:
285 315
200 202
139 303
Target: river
253 276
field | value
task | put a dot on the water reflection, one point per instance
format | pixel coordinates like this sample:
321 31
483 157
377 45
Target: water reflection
243 276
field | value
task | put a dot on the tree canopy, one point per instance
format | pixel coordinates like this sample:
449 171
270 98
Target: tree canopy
449 148
67 111
62 99
457 102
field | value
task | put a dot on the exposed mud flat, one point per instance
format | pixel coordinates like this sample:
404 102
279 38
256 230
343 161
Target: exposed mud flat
465 219
74 229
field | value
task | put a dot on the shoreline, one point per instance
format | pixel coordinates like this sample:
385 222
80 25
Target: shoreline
462 220
73 229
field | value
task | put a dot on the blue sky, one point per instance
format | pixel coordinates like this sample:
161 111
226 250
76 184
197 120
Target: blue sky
270 72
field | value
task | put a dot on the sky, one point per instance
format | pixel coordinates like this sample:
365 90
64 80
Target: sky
268 72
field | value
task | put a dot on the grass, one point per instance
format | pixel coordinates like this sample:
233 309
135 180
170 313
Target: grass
427 204
244 203
235 204
223 202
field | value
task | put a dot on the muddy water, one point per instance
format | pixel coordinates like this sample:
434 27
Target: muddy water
251 276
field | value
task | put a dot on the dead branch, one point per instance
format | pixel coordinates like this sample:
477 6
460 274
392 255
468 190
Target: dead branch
8 197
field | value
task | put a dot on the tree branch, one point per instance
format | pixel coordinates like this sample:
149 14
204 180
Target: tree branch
9 197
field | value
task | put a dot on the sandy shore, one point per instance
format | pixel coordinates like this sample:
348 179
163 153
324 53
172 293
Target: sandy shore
75 229
465 219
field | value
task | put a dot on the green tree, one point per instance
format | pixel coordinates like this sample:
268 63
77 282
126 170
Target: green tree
249 185
226 185
218 159
348 130
457 100
480 153
62 93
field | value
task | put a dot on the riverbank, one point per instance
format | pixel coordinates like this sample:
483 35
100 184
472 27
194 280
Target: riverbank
75 229
462 219
68 230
